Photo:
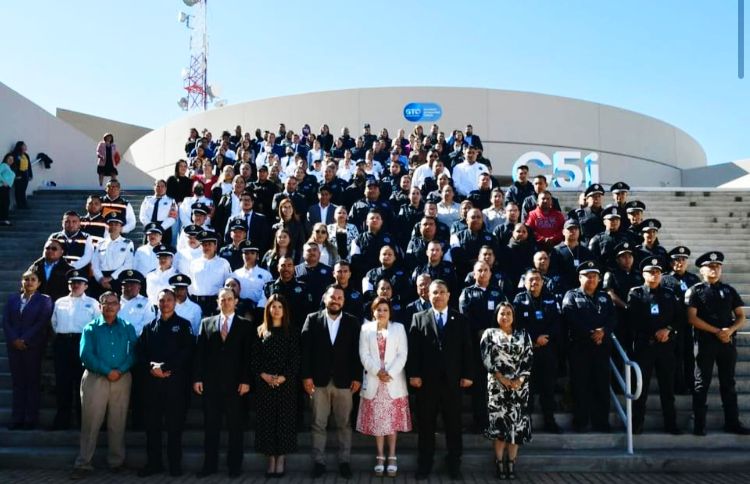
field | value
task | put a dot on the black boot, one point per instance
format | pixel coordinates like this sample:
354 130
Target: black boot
510 470
499 470
699 424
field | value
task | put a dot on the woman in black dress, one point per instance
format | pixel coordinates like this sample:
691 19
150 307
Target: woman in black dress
275 358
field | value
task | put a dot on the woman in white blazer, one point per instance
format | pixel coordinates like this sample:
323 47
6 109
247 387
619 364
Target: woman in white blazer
384 404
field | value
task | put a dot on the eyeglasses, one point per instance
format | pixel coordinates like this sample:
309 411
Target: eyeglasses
321 231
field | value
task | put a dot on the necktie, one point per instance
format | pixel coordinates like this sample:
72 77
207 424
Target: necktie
224 329
155 213
440 322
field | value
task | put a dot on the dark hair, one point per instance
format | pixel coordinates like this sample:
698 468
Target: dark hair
177 166
541 177
263 329
505 304
377 302
17 148
71 213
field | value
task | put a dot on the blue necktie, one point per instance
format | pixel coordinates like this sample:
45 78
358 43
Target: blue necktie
440 325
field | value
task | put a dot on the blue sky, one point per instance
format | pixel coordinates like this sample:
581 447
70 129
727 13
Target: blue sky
674 60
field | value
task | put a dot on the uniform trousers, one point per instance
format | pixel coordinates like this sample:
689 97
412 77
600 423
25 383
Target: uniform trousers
434 397
165 403
25 373
68 372
99 398
659 356
544 376
589 379
217 405
685 360
710 350
327 400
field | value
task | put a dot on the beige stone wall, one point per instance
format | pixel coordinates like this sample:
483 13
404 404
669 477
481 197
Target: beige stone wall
72 151
95 127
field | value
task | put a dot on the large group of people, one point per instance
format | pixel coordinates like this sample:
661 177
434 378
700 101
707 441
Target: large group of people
373 279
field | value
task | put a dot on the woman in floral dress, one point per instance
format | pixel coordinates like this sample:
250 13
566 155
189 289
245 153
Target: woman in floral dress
384 404
507 354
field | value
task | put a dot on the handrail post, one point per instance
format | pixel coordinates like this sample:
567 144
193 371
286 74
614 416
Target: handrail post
628 408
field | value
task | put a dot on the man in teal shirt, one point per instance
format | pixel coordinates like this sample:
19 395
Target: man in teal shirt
108 354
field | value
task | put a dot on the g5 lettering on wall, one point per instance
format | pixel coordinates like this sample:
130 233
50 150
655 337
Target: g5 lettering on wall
415 112
568 169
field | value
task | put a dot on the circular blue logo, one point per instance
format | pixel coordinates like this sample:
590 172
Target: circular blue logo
413 112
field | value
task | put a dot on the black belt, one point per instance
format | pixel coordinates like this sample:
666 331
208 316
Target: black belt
204 298
68 335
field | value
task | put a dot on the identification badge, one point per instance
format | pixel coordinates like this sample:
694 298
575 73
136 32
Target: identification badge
654 309
721 293
683 286
539 314
576 262
490 305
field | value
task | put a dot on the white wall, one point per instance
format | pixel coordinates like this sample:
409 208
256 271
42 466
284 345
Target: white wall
94 127
640 149
72 151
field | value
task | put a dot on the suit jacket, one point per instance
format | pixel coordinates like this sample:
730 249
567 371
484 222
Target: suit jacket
222 213
323 361
396 351
30 325
223 365
313 215
258 233
57 285
440 361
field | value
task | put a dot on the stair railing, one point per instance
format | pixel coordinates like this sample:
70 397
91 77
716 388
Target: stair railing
624 381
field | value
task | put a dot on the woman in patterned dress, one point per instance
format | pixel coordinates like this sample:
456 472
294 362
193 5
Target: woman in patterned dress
384 404
506 353
275 359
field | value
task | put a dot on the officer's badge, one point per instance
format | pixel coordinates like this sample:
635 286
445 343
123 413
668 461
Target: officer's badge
179 278
298 289
713 256
387 240
260 276
354 295
122 249
495 293
129 273
654 261
324 271
682 250
625 245
175 329
139 306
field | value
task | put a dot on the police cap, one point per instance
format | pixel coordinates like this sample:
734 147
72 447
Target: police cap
594 189
713 257
679 251
620 187
179 280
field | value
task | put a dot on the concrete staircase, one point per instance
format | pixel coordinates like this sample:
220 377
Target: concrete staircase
690 218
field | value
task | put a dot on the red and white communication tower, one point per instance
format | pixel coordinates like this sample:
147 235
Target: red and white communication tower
198 92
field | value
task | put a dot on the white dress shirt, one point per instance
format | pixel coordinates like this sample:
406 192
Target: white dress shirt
229 318
252 282
466 177
137 311
192 312
145 260
208 275
71 313
112 255
333 326
185 257
165 214
157 280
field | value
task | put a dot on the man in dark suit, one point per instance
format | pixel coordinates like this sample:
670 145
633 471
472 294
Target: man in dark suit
324 205
222 376
52 270
440 364
331 372
258 229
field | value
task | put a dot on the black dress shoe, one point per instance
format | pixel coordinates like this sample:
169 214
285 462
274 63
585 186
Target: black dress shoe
150 471
672 429
318 470
345 470
737 428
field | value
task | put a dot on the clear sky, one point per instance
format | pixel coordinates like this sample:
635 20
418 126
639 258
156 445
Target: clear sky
674 60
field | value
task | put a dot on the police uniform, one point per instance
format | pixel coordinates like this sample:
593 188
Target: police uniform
444 270
589 362
145 259
161 210
187 309
478 305
465 246
685 362
122 208
602 245
622 209
416 251
252 280
645 252
233 254
649 311
365 250
78 248
111 257
166 344
541 316
408 215
360 209
316 278
69 317
565 260
95 226
621 282
395 275
157 279
634 231
590 220
208 276
137 311
299 300
715 305
264 192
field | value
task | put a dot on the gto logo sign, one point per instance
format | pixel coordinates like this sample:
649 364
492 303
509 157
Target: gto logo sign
415 112
567 168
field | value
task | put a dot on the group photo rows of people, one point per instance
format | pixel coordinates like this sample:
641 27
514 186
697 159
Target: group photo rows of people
299 282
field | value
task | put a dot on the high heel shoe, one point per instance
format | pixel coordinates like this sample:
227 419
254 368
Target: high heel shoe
511 469
392 469
379 466
499 469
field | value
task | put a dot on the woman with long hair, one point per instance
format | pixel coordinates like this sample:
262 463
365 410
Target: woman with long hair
342 232
107 158
507 356
275 363
179 185
289 220
22 168
281 247
329 255
25 321
384 403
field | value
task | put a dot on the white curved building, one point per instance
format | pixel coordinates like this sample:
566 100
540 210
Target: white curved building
555 135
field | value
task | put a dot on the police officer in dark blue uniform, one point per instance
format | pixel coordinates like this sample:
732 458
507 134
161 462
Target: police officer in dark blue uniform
652 312
679 280
620 192
634 210
568 255
478 304
538 313
437 267
590 218
296 292
618 282
589 315
363 207
232 252
342 273
650 247
603 244
715 312
314 274
365 250
165 349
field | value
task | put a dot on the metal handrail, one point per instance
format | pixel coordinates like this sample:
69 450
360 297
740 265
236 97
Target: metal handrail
626 414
